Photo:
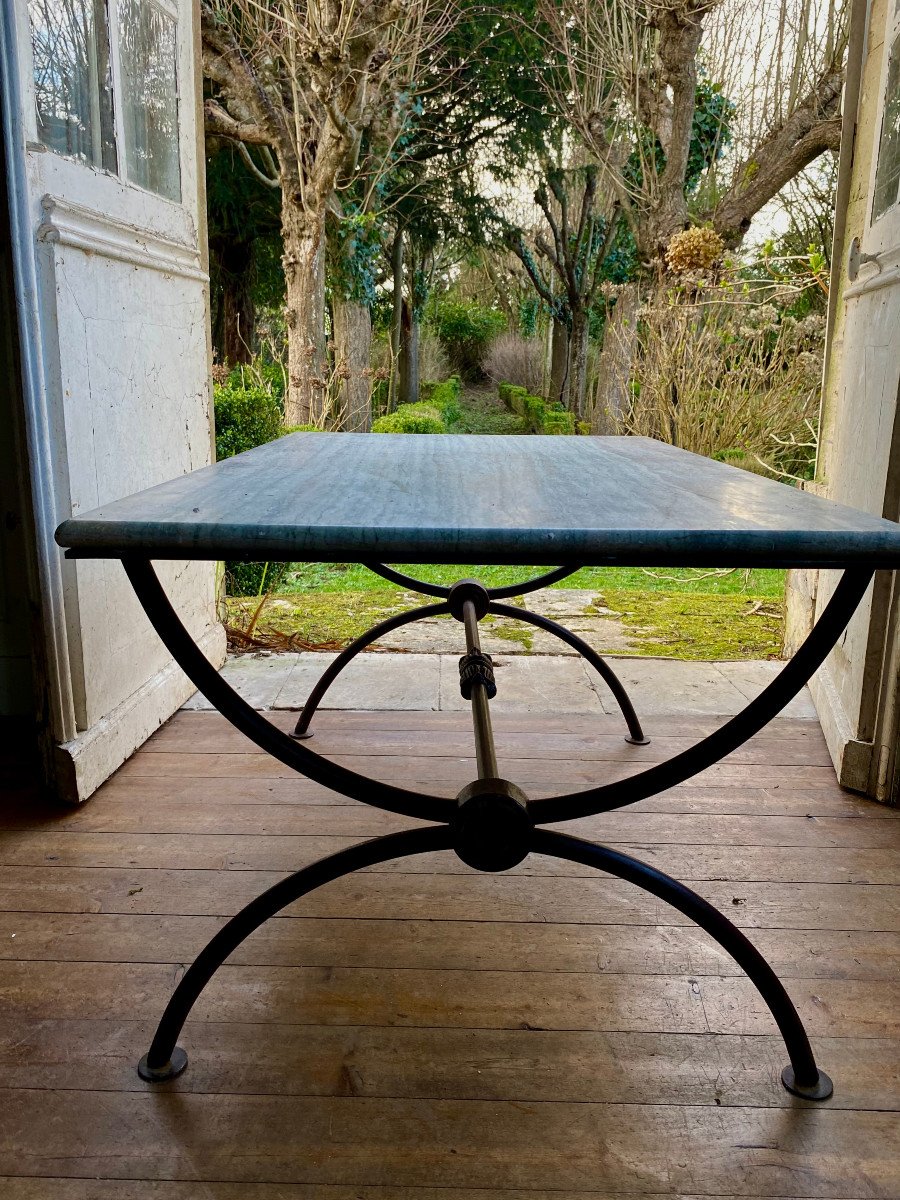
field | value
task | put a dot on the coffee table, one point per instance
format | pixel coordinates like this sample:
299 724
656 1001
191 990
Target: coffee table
568 501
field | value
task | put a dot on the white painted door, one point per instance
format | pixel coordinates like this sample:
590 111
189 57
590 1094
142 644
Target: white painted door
859 457
113 310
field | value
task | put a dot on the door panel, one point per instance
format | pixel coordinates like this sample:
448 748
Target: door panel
110 180
859 449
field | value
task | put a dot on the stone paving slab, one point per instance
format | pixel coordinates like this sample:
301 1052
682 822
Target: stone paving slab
572 607
526 683
393 682
257 678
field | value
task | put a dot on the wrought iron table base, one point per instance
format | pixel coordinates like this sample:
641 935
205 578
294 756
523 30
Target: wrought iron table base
604 670
492 825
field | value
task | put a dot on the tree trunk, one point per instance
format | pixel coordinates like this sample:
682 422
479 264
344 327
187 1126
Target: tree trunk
304 273
234 323
396 317
616 363
408 390
559 363
577 367
352 329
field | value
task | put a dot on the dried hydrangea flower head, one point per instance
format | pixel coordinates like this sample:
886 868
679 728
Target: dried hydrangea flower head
694 249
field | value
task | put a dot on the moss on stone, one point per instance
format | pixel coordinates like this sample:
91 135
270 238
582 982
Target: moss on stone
321 617
515 633
672 625
693 626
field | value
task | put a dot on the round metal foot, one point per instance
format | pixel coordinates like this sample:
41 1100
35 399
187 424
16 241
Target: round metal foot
173 1067
301 737
638 741
820 1090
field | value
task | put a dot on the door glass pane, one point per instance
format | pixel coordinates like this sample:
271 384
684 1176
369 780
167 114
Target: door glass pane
72 84
149 97
887 177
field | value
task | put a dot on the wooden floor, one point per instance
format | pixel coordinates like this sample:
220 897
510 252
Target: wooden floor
422 1032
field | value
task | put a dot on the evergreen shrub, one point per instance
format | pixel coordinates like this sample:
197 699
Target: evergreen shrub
534 410
558 421
540 415
247 416
411 418
465 331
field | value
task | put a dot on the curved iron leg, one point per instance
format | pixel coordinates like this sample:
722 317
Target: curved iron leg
437 589
768 704
204 675
802 1077
164 1059
350 652
601 666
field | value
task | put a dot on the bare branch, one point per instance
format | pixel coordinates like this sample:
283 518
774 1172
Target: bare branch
217 121
260 175
813 127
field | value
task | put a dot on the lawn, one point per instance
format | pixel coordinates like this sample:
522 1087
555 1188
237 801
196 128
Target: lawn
685 614
350 577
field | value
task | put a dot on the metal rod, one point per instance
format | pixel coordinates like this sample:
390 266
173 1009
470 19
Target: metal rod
158 1064
790 679
809 1079
485 754
280 745
600 665
350 652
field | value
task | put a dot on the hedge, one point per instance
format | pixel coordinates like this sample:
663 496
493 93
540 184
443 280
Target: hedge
444 397
411 418
247 416
438 408
539 415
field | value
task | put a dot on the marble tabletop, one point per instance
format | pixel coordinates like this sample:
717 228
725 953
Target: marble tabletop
335 497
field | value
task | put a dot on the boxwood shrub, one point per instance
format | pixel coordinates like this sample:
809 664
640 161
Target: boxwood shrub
247 416
411 418
540 415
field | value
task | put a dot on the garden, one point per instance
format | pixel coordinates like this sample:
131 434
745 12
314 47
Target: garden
467 219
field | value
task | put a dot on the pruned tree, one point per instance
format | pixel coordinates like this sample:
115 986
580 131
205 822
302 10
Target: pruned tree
296 84
244 228
573 256
632 73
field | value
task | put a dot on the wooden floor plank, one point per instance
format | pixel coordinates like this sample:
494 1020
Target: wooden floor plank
459 999
710 1151
255 852
459 769
194 813
448 945
461 1064
458 897
145 1189
429 722
421 1031
717 801
587 747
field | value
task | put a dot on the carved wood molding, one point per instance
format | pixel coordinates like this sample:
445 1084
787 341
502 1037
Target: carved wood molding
67 224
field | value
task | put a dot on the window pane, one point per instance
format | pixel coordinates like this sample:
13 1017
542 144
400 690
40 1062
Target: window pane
73 92
149 97
887 176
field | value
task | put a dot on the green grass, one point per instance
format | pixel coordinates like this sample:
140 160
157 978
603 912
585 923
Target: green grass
482 412
674 625
699 626
350 577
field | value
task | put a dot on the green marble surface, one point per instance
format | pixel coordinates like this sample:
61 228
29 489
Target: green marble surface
318 497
